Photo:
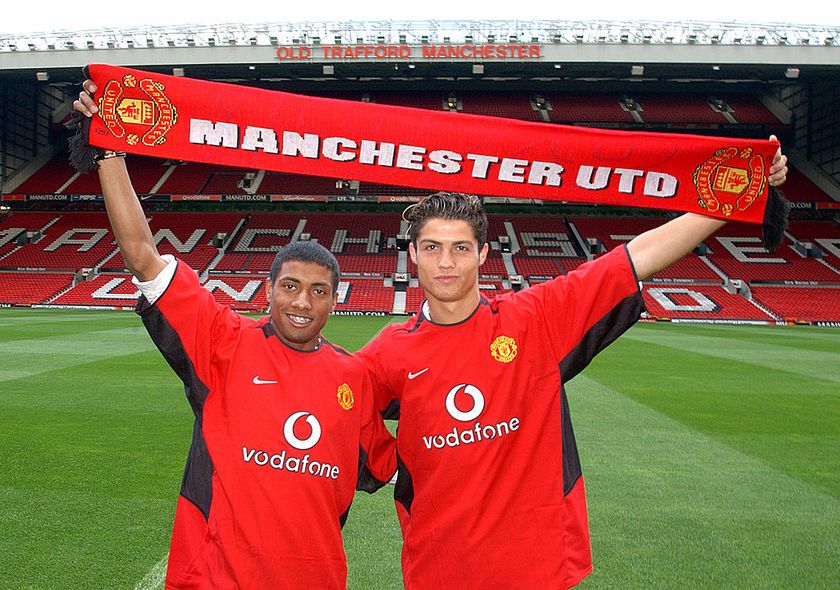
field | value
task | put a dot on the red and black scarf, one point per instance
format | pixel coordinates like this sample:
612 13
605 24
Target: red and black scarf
195 120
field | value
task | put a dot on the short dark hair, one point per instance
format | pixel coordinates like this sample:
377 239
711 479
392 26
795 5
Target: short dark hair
305 252
443 205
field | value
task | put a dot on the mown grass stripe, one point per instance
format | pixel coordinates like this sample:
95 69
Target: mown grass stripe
781 356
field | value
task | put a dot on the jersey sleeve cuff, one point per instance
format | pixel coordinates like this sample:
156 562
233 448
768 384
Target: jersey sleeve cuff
154 288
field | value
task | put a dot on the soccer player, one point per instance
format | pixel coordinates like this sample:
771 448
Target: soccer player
284 423
489 491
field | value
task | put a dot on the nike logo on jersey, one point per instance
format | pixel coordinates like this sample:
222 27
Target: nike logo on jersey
417 374
258 381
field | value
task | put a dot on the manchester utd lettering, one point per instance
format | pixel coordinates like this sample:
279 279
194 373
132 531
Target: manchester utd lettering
294 144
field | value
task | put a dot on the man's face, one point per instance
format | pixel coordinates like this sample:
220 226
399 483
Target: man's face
301 299
447 257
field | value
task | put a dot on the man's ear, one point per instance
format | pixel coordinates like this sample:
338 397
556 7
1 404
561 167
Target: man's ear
482 256
268 287
412 252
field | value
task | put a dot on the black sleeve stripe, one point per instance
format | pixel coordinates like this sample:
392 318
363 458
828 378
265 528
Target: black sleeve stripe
404 488
603 333
571 460
197 483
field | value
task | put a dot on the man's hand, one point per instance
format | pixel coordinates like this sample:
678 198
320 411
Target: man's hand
84 104
778 170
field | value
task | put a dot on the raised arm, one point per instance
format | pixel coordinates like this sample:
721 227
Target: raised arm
659 248
124 211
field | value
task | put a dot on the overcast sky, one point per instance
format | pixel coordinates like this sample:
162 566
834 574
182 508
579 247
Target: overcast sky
54 15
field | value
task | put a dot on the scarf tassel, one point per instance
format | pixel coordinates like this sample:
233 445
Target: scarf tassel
82 154
775 219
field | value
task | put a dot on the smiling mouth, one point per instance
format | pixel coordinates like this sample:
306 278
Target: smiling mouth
299 320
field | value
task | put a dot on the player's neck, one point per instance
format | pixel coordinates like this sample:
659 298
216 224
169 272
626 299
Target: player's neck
453 312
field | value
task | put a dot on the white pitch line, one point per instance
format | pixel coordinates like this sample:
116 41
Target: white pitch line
153 580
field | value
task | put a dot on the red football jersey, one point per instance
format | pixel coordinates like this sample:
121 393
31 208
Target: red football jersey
490 492
281 438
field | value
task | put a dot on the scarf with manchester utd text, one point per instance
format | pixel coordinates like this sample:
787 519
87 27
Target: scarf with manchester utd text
195 120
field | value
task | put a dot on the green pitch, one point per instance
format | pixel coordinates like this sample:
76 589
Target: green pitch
711 456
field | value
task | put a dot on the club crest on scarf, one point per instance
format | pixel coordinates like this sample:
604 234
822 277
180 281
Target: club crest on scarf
137 110
731 179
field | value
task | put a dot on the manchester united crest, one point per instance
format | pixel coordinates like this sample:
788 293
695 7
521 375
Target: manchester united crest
503 349
732 179
137 110
345 396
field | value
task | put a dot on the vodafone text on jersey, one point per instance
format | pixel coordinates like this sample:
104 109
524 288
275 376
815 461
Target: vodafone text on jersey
303 465
477 432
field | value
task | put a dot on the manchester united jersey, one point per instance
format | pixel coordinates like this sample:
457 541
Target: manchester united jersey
281 438
490 492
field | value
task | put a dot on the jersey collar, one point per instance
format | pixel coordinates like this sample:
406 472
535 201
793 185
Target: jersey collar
425 314
269 330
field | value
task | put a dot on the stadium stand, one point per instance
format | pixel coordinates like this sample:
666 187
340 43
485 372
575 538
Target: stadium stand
366 295
54 174
615 231
512 106
537 267
432 100
798 304
587 108
748 110
367 264
106 290
736 250
73 241
678 110
224 183
825 235
30 288
413 299
799 187
275 183
699 302
493 266
233 262
48 178
80 240
29 220
188 237
351 232
187 179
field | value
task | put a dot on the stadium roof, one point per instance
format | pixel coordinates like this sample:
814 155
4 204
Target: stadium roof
533 50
